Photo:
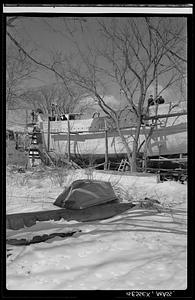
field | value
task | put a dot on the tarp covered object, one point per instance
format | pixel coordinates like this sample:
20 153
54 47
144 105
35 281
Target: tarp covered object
86 193
99 212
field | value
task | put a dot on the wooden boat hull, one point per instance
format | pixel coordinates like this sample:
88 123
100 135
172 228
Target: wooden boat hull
164 141
87 137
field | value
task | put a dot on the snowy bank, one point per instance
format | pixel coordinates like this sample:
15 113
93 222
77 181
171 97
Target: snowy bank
138 249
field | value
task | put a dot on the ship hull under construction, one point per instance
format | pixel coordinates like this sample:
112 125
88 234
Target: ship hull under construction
88 137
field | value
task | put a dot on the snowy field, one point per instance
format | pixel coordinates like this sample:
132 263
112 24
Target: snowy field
140 249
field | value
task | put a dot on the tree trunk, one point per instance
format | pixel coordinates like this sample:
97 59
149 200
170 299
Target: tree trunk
147 140
135 147
128 151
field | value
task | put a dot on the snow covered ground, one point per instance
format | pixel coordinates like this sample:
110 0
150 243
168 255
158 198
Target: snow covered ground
140 249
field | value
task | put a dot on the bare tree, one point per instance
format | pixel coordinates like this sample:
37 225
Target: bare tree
141 51
69 94
18 71
41 97
135 54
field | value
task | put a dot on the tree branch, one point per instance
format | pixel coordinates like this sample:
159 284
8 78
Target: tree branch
38 62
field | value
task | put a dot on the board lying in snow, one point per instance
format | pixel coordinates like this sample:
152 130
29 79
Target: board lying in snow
39 238
99 212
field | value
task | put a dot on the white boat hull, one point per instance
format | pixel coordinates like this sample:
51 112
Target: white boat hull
88 137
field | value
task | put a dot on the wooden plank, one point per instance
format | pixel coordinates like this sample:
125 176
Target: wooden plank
106 147
169 159
68 120
48 135
165 116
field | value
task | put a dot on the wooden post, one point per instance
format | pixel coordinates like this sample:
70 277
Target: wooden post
145 156
26 117
68 123
16 141
26 130
48 135
106 146
144 161
156 92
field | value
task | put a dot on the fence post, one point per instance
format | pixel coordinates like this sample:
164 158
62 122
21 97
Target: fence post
48 135
68 123
106 146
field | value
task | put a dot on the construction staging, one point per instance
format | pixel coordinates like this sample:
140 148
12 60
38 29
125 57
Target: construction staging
163 139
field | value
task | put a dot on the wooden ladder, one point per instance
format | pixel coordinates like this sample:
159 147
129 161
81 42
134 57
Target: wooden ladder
122 165
45 156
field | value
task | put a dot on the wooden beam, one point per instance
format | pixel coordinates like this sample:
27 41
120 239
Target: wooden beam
106 147
48 135
164 116
68 135
169 159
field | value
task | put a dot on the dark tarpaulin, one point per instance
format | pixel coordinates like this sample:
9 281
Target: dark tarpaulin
98 212
84 200
86 193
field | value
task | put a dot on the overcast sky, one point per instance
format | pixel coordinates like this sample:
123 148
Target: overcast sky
46 35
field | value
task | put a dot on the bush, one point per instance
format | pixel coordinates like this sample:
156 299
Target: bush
15 157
